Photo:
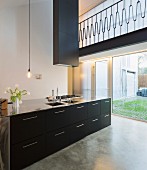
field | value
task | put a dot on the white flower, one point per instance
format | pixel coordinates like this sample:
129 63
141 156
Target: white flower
17 91
14 94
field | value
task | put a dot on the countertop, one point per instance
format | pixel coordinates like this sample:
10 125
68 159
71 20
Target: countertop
28 106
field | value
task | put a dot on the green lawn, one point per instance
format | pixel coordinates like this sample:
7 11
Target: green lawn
135 108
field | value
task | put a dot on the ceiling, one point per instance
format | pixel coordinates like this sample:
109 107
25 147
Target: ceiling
87 5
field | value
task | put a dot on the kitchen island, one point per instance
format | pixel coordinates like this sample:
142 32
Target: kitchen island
37 130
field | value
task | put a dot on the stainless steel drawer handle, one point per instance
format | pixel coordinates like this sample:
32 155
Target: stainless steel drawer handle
59 133
95 120
80 125
29 145
61 111
95 104
107 101
80 107
106 115
29 118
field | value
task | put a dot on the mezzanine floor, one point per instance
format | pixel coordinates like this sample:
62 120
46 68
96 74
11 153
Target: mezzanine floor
121 146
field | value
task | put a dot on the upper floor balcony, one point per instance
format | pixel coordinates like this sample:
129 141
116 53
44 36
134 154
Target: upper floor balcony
119 24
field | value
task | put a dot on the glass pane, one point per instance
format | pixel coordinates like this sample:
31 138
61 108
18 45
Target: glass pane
86 79
102 79
130 85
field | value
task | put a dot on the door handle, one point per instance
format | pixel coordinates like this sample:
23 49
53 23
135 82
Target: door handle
80 125
29 145
106 115
107 101
29 118
61 111
80 107
95 104
59 133
95 120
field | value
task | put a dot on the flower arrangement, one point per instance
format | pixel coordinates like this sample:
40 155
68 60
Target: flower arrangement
16 94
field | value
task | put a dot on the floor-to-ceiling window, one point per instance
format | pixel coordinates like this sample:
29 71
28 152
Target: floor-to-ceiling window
101 75
94 80
130 85
125 77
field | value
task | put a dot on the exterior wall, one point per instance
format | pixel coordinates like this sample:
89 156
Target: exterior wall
142 80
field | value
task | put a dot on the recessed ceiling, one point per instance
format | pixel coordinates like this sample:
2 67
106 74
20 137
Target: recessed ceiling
87 5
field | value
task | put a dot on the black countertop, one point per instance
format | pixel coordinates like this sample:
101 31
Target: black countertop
28 106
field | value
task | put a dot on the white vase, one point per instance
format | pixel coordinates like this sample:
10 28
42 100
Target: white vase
16 103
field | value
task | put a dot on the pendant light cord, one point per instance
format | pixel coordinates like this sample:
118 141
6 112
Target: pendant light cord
29 34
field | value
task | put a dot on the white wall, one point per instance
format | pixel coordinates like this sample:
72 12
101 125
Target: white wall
14 49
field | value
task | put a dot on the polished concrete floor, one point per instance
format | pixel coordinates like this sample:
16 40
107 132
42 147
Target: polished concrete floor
121 146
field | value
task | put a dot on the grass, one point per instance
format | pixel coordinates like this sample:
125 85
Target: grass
134 108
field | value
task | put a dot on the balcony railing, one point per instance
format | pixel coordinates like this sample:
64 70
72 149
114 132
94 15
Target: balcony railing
116 20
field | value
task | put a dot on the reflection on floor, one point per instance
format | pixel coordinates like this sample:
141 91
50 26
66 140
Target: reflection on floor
122 146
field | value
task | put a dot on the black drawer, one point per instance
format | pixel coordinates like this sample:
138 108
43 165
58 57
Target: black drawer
105 106
57 118
78 131
57 140
105 120
94 124
78 112
26 153
94 108
26 126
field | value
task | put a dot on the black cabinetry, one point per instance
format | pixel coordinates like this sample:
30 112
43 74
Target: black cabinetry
105 113
105 106
105 120
57 140
27 142
94 124
94 119
78 112
94 108
78 131
26 126
57 118
27 152
38 134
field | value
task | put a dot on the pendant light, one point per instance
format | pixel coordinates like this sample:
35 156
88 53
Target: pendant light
29 70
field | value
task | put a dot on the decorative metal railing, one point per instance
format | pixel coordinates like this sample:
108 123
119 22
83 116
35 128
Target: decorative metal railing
120 18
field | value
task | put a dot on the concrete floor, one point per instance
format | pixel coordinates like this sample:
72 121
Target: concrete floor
122 146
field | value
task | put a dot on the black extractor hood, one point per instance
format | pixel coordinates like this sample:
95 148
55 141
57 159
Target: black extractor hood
65 32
